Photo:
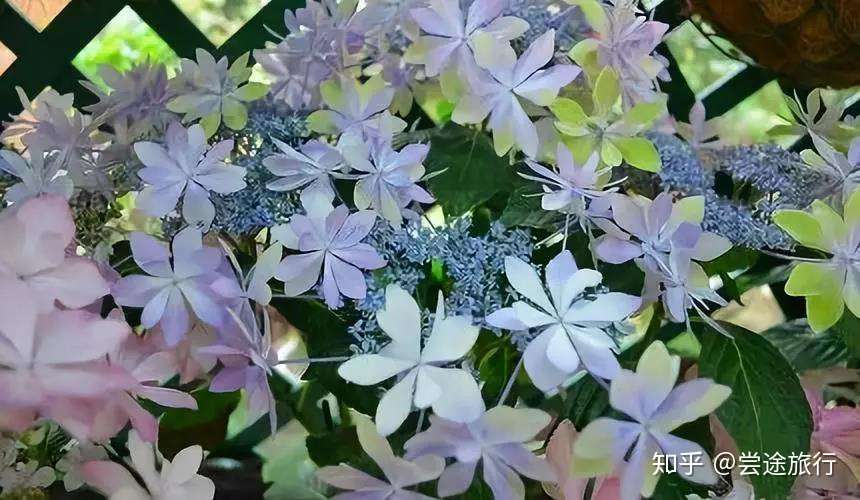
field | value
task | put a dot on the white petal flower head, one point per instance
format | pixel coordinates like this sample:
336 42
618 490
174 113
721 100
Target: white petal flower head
388 178
649 397
399 473
39 174
212 91
497 439
313 166
497 93
572 320
186 167
177 479
424 381
330 241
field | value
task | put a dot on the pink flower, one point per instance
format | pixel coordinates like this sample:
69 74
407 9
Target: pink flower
836 431
33 247
52 364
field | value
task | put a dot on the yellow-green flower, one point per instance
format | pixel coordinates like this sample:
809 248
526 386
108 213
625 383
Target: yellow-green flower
609 130
829 284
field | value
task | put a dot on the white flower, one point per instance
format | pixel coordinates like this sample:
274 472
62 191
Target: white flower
185 166
177 479
399 472
572 322
25 475
451 392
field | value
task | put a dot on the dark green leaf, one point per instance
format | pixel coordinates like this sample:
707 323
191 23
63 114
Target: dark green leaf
206 426
767 411
474 172
805 349
525 210
848 328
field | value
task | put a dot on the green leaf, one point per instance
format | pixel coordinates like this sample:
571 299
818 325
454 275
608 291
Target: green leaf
848 329
287 466
206 426
325 335
767 411
568 111
587 401
639 152
801 226
607 91
526 211
475 174
251 91
805 349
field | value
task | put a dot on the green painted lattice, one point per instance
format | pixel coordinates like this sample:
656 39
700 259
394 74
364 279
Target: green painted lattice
45 58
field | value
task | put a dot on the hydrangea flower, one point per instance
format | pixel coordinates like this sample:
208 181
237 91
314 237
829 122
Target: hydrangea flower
313 166
682 285
176 286
49 359
624 41
22 476
606 130
35 111
39 174
699 132
497 93
399 473
137 99
643 227
211 91
842 168
140 359
496 439
572 322
820 119
830 284
185 167
247 360
330 241
451 392
568 188
354 108
451 39
649 397
387 178
175 479
36 235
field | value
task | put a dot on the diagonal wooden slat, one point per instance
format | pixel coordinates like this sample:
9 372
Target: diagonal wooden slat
172 26
44 59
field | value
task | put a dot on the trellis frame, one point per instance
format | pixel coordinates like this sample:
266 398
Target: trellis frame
45 58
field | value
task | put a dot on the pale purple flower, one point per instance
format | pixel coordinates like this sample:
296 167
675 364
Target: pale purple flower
496 440
643 227
176 289
388 178
568 188
842 168
399 473
186 167
699 133
313 166
425 382
247 360
329 242
681 284
572 320
649 397
497 93
452 39
356 109
39 174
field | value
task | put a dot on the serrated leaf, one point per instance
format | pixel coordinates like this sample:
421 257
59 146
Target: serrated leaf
767 411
